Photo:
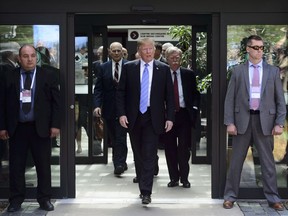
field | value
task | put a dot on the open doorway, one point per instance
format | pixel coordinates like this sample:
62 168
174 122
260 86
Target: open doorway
99 173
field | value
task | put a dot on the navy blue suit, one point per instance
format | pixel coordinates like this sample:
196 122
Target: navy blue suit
177 151
144 129
105 98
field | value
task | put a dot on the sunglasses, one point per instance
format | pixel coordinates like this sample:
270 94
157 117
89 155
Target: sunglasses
257 47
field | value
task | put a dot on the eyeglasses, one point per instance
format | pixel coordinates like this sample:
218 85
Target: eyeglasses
174 58
257 47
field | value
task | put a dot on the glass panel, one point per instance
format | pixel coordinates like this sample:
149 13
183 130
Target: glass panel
83 98
275 53
46 40
97 123
204 88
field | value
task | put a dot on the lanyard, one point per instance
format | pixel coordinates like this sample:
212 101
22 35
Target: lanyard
33 79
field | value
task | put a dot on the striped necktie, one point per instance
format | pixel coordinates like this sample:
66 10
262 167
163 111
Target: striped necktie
116 72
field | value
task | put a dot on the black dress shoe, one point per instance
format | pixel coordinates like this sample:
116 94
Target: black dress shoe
135 180
13 207
146 199
125 167
186 184
119 170
173 183
156 170
46 205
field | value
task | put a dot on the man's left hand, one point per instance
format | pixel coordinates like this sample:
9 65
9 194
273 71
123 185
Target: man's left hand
277 130
168 126
54 132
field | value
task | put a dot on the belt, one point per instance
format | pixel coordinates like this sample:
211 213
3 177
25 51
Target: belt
254 112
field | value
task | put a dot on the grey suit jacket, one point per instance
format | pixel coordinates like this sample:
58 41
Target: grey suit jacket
272 103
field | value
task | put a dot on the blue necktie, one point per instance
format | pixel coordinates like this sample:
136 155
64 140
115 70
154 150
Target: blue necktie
144 90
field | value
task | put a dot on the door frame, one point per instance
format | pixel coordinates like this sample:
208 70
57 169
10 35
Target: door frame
92 21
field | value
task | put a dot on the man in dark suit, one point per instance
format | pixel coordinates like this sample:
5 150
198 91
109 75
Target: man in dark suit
145 105
158 53
29 118
105 105
9 60
186 105
254 112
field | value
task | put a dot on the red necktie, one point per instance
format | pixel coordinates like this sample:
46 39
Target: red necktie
176 92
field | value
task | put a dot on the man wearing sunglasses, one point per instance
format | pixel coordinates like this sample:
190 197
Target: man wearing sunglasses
254 112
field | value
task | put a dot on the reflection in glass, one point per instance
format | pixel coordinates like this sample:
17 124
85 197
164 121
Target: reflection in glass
201 64
83 103
275 53
46 40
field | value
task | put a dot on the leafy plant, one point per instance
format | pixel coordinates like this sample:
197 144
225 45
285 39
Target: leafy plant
184 35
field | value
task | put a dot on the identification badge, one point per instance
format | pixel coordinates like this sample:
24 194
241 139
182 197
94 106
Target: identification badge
255 95
255 91
26 96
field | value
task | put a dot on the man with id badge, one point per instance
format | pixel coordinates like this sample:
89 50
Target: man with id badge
254 112
29 118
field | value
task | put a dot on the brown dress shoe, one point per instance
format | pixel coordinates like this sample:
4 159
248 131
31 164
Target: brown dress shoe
277 206
228 204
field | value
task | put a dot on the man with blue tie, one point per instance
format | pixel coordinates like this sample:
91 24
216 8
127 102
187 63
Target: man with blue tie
145 105
254 111
29 118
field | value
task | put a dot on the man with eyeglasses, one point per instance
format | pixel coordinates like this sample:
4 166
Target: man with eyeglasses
254 111
105 105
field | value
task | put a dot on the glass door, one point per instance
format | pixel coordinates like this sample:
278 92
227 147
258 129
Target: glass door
90 145
201 136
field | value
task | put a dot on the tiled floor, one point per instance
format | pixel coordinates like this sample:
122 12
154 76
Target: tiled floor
99 192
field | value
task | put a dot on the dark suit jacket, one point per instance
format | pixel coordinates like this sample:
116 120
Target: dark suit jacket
7 66
190 93
161 97
105 90
46 101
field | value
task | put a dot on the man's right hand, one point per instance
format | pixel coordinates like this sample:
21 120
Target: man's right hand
4 134
123 121
231 129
